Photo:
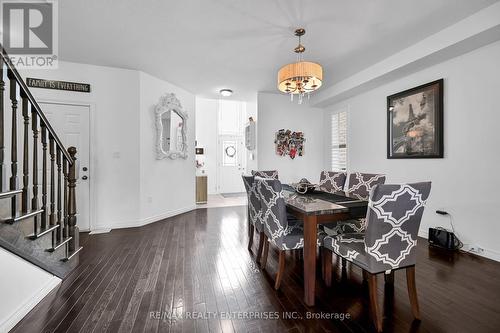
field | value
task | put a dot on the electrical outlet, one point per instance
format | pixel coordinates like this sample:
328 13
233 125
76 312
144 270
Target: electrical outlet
150 199
476 249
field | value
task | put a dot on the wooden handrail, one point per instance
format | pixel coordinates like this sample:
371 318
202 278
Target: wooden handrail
55 160
34 104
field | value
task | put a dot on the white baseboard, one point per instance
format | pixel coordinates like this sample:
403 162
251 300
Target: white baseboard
100 231
488 253
145 221
159 217
25 308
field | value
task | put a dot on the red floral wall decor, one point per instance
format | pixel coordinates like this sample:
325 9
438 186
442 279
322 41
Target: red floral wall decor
289 143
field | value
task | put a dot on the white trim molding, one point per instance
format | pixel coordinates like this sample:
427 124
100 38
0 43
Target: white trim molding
487 253
25 308
144 221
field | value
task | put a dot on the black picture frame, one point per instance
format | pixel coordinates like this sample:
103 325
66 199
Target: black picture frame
416 131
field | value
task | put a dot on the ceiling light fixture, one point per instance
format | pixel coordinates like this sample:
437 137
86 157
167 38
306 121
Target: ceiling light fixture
226 92
301 77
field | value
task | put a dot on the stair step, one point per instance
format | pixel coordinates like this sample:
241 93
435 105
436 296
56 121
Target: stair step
61 243
23 217
9 194
43 232
72 254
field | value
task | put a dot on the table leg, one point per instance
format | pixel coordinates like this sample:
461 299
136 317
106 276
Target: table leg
310 238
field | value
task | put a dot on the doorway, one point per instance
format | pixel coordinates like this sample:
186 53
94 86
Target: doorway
231 164
231 151
71 122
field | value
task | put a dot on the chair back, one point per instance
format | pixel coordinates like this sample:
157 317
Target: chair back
273 209
360 184
266 173
332 181
393 219
254 209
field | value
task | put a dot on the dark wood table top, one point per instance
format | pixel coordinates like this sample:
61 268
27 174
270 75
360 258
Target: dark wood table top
323 203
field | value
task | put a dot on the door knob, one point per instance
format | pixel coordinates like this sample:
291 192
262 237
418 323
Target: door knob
85 177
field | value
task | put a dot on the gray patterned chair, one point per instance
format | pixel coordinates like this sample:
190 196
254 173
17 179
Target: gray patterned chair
254 214
266 174
360 185
332 181
280 232
389 243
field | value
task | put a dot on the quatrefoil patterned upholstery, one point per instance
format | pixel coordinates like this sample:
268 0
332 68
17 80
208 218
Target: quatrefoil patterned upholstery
360 184
345 227
254 209
332 181
394 216
266 174
282 233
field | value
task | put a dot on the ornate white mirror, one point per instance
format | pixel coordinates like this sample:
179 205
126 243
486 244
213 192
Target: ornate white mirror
171 130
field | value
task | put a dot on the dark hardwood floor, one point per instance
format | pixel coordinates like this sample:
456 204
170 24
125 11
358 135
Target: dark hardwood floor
149 279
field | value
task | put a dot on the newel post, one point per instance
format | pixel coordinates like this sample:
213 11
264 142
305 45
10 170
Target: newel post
74 244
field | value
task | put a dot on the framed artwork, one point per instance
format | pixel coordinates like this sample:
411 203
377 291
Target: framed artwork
415 122
289 143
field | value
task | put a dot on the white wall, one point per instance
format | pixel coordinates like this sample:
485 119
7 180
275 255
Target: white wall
131 187
206 137
277 112
167 187
22 286
114 101
207 126
466 180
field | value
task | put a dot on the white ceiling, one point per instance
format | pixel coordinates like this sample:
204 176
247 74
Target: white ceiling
206 45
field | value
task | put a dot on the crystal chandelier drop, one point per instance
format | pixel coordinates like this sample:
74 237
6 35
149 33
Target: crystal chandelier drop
301 77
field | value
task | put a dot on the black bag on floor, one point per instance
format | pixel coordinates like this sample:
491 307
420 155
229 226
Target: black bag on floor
443 238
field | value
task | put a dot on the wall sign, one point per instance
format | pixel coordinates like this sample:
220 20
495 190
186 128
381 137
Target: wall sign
57 85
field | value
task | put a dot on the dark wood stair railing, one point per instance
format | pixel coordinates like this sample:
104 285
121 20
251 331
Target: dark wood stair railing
13 149
57 214
26 166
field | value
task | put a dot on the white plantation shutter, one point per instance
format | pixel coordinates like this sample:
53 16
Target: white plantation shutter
339 141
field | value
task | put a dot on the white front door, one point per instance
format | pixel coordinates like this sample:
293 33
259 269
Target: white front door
72 125
231 157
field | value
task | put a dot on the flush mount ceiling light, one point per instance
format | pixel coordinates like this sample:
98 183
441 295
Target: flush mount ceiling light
226 92
301 77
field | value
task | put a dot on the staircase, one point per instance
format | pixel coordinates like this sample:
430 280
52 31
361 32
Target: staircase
39 228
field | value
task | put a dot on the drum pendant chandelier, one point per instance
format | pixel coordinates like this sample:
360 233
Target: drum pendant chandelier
301 77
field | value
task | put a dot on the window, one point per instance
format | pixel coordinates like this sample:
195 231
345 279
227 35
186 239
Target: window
231 117
339 141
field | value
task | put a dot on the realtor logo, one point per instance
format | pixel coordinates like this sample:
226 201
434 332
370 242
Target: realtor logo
29 32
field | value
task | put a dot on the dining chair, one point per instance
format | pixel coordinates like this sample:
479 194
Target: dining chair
266 173
359 186
332 181
254 214
389 243
280 232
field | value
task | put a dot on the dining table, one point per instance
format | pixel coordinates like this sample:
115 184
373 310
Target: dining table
319 208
